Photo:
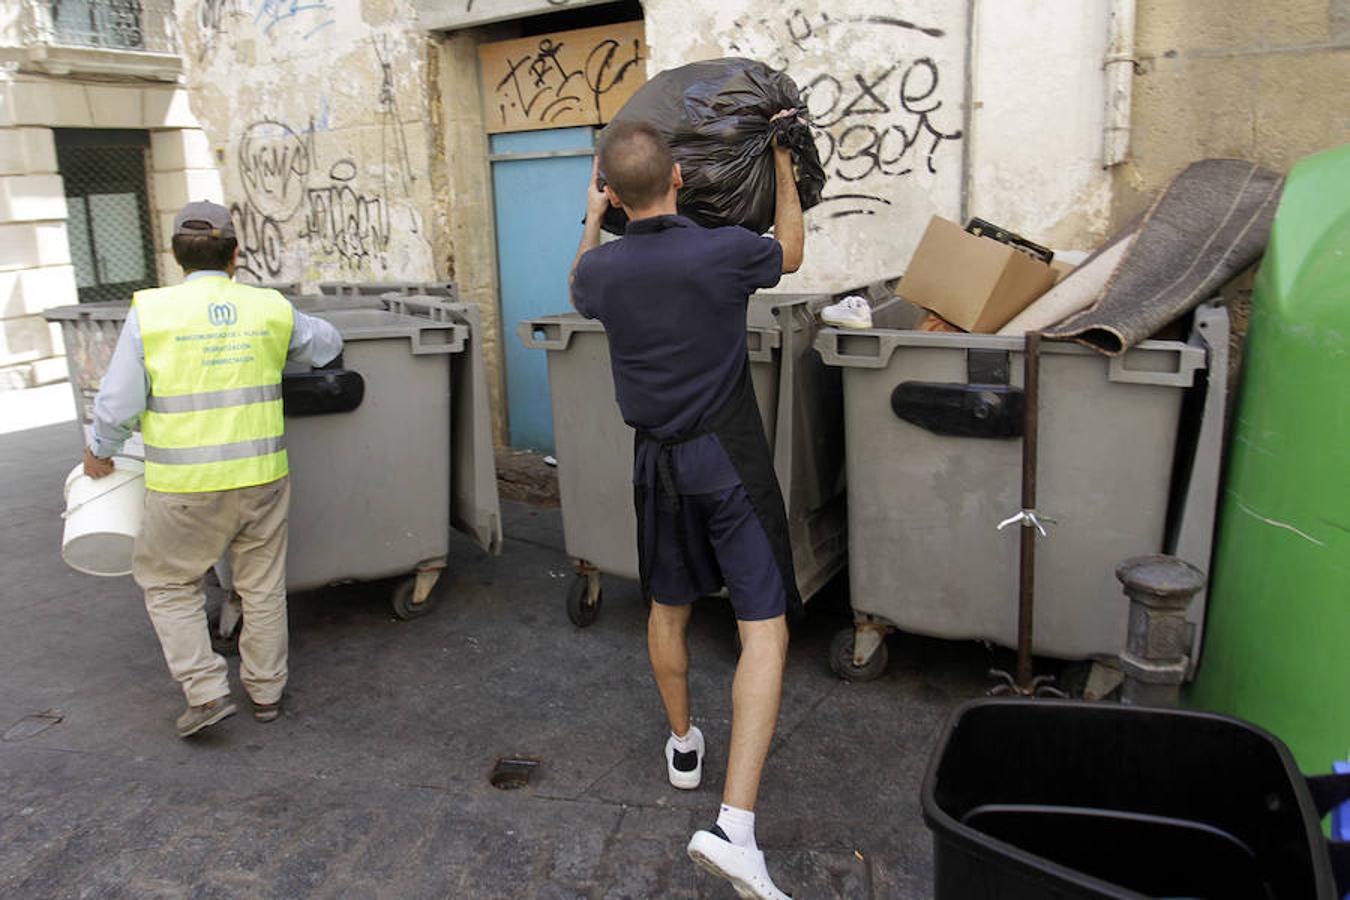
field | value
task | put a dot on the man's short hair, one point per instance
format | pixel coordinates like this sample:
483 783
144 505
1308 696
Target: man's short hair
636 162
203 251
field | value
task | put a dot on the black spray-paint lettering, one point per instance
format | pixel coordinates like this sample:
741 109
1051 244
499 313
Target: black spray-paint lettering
543 89
342 221
849 135
870 122
261 244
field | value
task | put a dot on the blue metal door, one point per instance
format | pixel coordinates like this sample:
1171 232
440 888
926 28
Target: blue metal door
538 183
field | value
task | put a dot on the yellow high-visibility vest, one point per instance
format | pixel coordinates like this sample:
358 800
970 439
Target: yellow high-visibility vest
214 351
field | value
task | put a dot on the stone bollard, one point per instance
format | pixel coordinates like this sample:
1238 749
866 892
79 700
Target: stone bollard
1157 644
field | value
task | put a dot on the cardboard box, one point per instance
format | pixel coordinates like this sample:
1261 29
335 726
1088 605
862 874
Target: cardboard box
973 282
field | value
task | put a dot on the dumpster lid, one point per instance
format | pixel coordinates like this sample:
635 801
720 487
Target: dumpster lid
766 315
1153 362
108 310
429 323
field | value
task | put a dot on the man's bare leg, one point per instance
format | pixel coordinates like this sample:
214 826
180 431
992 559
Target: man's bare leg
755 695
729 849
669 652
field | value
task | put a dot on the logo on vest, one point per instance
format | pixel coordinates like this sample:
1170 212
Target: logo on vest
222 313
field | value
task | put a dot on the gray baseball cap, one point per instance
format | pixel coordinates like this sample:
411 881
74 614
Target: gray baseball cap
203 217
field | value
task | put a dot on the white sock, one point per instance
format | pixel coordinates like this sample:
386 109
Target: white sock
685 743
738 825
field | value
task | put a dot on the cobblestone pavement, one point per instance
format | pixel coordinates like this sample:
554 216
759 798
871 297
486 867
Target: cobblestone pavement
374 783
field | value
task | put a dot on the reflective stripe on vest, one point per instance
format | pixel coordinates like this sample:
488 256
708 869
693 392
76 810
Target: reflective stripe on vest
214 351
215 399
186 456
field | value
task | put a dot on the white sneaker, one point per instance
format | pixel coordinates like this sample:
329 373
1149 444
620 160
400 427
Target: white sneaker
743 867
851 312
685 769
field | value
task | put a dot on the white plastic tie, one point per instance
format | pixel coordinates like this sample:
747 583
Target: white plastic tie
1029 519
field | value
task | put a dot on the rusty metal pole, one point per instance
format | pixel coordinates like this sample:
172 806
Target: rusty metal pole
1024 681
1026 589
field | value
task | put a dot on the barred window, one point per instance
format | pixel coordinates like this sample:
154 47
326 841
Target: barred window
109 227
99 23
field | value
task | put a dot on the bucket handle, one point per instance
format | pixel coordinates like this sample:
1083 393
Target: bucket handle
87 500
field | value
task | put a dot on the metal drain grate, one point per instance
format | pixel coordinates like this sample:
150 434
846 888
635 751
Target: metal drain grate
512 773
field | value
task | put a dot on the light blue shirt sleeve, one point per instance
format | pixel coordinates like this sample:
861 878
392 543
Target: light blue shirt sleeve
122 392
314 342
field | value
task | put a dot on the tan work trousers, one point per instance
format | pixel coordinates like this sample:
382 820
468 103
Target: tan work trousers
182 536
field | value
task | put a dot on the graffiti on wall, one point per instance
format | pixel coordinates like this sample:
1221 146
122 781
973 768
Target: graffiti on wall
289 202
273 162
344 223
333 210
215 18
274 19
306 17
874 120
394 155
570 78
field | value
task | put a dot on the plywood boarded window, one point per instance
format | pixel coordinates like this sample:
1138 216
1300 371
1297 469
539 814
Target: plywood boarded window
561 80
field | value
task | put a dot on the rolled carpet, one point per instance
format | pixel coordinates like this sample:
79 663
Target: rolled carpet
1212 222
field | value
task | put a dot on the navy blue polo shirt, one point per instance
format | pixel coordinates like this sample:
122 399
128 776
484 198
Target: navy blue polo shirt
672 297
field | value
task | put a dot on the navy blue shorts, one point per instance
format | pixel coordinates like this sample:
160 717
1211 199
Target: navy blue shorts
726 545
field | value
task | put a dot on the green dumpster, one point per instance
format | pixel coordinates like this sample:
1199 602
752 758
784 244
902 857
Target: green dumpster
1277 644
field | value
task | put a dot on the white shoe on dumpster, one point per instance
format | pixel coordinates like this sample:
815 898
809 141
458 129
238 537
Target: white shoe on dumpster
685 769
743 867
851 312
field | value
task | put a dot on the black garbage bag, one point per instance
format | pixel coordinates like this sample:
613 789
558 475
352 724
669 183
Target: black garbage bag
715 116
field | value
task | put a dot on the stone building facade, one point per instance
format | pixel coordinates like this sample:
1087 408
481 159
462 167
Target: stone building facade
351 137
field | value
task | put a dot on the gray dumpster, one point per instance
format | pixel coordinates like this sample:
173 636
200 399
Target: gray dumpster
387 452
934 466
444 289
799 401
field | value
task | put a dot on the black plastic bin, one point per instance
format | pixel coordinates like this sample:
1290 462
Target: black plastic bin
1035 799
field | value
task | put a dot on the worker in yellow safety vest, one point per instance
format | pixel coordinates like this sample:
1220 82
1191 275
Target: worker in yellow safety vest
199 365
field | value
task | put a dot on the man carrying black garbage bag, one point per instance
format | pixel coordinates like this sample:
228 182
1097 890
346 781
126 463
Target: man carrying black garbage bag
673 297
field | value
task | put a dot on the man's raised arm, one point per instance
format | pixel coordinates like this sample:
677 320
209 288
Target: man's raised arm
597 202
788 227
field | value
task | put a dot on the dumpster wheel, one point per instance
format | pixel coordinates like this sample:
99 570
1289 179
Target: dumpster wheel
841 658
583 599
406 603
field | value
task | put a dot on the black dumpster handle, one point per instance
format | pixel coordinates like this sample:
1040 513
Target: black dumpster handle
1328 791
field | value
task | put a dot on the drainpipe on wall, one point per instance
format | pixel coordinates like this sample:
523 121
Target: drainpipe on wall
1119 67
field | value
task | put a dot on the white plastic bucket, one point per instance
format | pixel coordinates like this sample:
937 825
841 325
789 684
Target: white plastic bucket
103 517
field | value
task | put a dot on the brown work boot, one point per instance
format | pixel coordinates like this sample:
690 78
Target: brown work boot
198 717
267 712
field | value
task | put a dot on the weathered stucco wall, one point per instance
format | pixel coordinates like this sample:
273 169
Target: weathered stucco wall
1265 80
1037 119
317 116
884 83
